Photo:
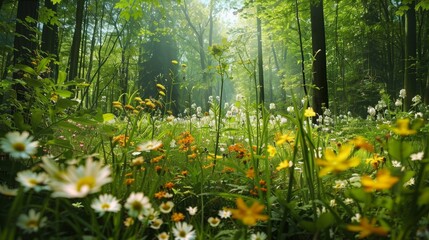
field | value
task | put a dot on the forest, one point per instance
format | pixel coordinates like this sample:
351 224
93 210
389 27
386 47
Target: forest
214 119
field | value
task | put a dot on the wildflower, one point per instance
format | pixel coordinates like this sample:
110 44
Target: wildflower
410 182
169 185
361 143
417 156
137 204
149 146
367 228
416 99
128 222
163 236
77 182
375 161
248 215
183 231
106 203
192 210
129 107
340 184
250 173
121 139
31 180
309 112
129 181
31 222
402 93
356 217
403 127
337 162
77 205
160 194
396 164
213 221
332 203
162 93
382 181
175 62
224 213
166 207
271 150
398 102
258 236
177 217
348 201
117 104
5 190
371 111
285 138
137 161
156 223
284 164
272 106
290 109
19 145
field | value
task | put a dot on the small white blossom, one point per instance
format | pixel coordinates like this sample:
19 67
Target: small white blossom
417 156
409 182
402 93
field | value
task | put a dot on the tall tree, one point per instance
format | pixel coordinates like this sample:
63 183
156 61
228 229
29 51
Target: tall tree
77 36
410 80
50 39
260 58
320 92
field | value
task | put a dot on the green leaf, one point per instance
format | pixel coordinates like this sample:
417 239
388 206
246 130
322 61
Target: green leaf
19 121
63 93
399 150
309 226
60 143
61 77
423 198
359 195
325 220
67 125
42 65
25 68
36 118
65 103
56 1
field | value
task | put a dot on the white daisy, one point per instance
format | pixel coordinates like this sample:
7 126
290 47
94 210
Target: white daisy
224 214
106 203
192 210
213 221
166 207
258 236
77 182
163 236
151 214
19 145
183 231
156 223
32 222
149 145
137 204
31 180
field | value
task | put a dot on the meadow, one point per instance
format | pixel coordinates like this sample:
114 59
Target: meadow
236 171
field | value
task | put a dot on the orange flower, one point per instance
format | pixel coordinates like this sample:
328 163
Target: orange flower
361 142
382 181
367 228
157 159
248 215
184 173
169 185
177 217
120 139
250 173
129 181
160 195
228 170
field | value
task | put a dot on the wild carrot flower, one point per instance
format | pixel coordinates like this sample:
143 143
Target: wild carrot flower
403 127
183 231
383 180
77 182
258 236
106 203
367 228
137 204
284 164
177 217
309 112
19 145
337 162
150 145
31 222
32 180
166 207
248 215
213 221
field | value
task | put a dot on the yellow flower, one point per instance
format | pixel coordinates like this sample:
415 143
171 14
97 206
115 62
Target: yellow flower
367 228
250 173
375 160
382 181
175 62
361 142
271 150
337 162
160 87
248 215
284 138
284 164
177 217
309 112
403 127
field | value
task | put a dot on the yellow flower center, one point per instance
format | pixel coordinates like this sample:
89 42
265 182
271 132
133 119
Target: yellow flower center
85 181
182 234
137 206
105 206
19 147
32 224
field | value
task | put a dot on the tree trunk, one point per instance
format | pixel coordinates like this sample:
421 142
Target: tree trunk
320 92
25 41
410 81
50 40
74 51
260 61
